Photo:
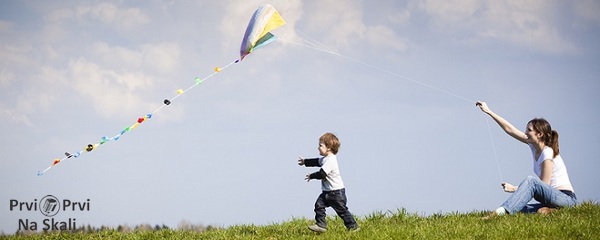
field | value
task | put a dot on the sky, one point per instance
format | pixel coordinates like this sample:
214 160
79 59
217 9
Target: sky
396 81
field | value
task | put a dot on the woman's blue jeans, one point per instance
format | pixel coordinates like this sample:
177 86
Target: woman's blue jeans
534 188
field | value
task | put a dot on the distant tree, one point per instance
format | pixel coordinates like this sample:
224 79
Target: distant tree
184 225
143 227
187 226
124 228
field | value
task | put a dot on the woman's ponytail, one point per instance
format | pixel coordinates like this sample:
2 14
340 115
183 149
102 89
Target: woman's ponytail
553 143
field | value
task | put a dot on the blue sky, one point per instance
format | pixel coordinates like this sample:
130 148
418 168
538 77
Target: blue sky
398 87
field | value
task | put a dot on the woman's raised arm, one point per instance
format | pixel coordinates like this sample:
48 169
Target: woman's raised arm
505 125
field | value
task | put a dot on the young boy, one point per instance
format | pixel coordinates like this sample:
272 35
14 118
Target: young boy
334 194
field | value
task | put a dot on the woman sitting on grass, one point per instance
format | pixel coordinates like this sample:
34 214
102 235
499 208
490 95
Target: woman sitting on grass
551 187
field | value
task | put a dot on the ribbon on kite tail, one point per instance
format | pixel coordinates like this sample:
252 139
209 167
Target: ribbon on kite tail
93 146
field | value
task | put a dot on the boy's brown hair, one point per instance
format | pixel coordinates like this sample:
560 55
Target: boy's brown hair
331 142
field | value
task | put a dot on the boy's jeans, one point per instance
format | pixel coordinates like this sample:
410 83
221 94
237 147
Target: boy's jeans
534 188
337 200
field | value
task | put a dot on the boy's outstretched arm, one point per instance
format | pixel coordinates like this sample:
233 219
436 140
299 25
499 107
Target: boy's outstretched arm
300 161
318 174
312 162
321 174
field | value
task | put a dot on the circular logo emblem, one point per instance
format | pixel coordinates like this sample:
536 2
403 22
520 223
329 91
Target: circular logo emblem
49 205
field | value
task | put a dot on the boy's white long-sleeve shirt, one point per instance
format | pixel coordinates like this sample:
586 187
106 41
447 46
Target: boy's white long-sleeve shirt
329 167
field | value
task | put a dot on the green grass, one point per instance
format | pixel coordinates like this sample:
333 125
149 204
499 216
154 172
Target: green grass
581 222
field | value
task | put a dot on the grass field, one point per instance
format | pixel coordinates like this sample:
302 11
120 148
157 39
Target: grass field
581 222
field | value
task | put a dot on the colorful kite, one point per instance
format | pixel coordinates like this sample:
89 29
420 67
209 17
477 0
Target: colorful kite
258 34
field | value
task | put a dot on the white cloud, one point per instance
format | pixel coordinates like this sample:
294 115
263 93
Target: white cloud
119 56
525 23
61 22
385 37
234 21
399 17
14 54
31 96
156 57
114 15
340 22
14 116
450 11
58 15
163 57
111 92
113 79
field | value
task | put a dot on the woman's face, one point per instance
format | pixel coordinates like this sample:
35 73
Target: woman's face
532 135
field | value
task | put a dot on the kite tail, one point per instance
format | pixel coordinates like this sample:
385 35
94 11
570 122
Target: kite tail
92 146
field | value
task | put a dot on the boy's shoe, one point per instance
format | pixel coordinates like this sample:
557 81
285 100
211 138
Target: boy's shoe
546 210
354 229
317 228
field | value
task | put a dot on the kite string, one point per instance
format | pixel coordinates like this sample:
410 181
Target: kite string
494 149
313 44
198 82
316 44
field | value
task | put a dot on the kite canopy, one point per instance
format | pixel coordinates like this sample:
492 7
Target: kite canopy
264 19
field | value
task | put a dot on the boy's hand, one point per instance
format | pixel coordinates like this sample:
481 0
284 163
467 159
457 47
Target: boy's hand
307 177
300 161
